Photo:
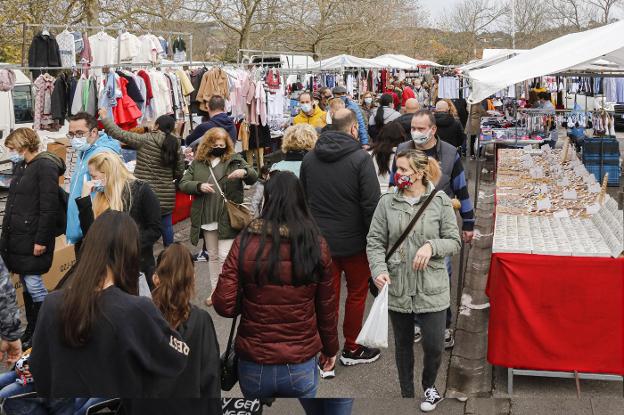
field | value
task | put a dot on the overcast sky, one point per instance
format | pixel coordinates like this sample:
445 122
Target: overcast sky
436 6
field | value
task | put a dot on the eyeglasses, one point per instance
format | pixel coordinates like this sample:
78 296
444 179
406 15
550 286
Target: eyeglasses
77 134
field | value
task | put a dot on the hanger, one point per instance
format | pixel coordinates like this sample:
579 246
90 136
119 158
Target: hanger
45 31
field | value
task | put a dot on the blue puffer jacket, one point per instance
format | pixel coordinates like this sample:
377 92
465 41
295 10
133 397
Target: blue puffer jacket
104 143
362 123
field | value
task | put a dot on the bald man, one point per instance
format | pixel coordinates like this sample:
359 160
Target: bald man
449 128
411 106
343 190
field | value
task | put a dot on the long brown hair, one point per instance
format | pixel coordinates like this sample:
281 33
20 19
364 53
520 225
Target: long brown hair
112 243
176 274
208 140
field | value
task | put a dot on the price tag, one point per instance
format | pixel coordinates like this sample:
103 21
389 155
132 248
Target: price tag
560 214
563 182
537 172
593 209
544 204
569 194
593 187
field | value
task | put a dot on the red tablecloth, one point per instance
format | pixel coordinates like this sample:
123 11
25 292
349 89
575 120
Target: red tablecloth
556 313
182 209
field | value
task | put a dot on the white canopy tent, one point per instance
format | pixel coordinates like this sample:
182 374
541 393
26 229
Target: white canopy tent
347 61
402 62
576 51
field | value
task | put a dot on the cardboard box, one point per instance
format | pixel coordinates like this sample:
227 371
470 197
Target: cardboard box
64 258
60 150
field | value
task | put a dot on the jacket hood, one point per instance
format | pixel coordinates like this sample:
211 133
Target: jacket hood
107 141
59 162
389 115
444 119
222 120
334 145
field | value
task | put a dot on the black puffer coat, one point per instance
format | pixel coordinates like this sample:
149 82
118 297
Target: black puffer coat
31 214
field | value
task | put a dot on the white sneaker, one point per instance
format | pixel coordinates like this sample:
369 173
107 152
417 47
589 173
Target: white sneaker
449 340
417 334
327 374
432 399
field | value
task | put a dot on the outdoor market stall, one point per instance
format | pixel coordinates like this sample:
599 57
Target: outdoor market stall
556 281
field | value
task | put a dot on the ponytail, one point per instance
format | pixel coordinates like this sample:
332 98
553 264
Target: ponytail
170 145
433 171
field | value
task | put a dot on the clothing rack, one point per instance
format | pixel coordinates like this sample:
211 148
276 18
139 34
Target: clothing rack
120 28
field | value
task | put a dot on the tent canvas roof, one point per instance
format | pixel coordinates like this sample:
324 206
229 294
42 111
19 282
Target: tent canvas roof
402 61
347 61
564 53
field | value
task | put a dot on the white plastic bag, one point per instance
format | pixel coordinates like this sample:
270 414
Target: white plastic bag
375 330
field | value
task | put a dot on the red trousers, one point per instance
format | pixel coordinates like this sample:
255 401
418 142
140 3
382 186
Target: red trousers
357 273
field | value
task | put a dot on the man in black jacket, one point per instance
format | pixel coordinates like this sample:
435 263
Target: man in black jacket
343 191
218 118
449 129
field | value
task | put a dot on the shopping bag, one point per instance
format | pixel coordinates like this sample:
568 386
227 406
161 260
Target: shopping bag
374 333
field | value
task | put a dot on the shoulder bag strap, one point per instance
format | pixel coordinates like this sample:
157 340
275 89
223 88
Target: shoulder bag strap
217 183
239 311
409 228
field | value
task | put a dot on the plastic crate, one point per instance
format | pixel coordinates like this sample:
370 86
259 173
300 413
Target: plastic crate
601 146
607 159
599 172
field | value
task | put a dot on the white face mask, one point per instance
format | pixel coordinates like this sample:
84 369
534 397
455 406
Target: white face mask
420 138
368 101
306 107
328 119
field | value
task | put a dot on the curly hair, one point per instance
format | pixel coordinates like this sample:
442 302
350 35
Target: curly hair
208 140
23 139
299 137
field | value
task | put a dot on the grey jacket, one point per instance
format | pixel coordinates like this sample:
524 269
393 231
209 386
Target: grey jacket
412 291
10 324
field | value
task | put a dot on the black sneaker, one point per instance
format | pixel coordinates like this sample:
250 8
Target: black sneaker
449 340
201 257
360 355
432 399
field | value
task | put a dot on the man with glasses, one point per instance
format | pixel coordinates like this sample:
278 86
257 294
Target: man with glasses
87 142
326 95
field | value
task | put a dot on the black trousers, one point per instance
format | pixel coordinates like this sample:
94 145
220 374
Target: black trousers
432 326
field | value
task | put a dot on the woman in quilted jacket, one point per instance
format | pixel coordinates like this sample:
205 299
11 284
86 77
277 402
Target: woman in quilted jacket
281 265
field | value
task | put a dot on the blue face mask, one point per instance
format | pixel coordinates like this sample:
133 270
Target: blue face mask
80 144
16 157
98 187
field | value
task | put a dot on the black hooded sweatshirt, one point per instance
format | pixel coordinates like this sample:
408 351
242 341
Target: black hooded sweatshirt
343 191
449 129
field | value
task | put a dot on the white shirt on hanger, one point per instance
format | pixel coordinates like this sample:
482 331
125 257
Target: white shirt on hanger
67 48
151 49
129 46
103 49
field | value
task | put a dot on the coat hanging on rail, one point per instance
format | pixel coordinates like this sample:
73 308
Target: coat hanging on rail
44 51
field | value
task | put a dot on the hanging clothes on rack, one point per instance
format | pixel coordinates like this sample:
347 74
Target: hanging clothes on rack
129 47
85 96
44 51
126 113
60 100
67 48
42 117
214 82
179 50
103 49
151 49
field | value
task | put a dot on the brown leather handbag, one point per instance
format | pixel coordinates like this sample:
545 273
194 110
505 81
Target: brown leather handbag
239 214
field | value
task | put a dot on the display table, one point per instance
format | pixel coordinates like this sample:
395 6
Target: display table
556 313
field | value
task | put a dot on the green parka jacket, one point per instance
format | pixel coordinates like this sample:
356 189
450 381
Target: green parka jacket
412 291
198 173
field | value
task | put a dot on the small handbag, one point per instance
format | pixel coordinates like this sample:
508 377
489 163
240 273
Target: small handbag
371 281
239 214
229 358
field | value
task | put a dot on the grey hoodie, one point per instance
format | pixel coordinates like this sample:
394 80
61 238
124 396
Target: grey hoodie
388 116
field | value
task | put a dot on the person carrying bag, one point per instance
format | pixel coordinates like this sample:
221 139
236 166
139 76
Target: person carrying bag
409 260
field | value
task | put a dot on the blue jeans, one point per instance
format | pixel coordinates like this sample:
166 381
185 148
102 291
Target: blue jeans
278 381
166 229
9 387
34 285
38 406
333 406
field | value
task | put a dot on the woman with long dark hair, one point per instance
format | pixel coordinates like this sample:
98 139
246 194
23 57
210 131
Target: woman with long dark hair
96 337
281 265
159 163
384 150
385 114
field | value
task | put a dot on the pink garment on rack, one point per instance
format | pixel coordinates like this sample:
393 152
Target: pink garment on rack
261 103
249 95
42 117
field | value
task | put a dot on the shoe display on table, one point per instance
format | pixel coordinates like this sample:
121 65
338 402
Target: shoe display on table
417 334
360 355
449 340
200 257
432 399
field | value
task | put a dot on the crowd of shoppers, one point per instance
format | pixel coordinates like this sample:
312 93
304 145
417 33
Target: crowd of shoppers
352 176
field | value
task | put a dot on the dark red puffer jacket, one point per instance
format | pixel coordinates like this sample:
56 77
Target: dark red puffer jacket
280 324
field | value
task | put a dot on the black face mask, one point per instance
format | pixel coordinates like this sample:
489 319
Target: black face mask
218 151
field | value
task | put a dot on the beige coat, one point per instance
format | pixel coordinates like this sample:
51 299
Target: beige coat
473 126
214 82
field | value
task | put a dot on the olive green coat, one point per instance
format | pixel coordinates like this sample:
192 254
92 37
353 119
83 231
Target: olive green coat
412 291
149 166
198 173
